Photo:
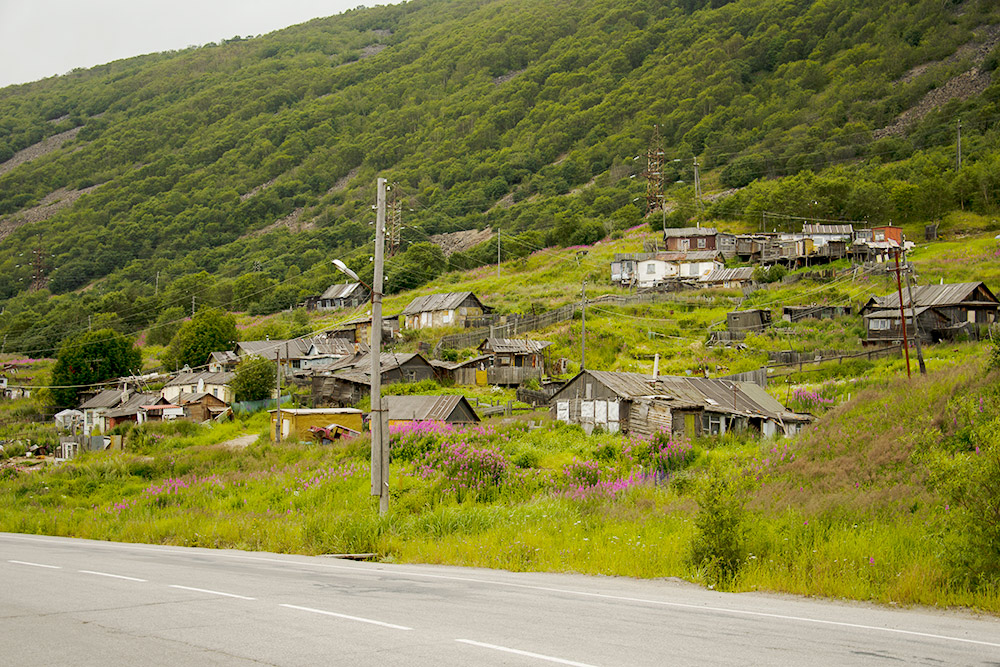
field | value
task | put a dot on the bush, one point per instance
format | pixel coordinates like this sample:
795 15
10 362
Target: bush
719 546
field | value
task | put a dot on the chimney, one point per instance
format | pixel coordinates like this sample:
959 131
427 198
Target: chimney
656 365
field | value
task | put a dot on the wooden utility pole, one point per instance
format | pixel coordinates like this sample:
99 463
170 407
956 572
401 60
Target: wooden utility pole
916 327
697 191
583 340
958 145
902 315
379 417
277 404
498 250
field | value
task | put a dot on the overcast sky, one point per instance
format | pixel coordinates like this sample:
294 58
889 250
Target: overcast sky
40 38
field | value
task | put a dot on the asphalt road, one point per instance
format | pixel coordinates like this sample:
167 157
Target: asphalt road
79 602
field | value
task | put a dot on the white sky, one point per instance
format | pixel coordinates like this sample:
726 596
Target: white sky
41 38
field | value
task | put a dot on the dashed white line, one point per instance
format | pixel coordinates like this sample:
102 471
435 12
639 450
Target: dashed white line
528 654
24 562
114 576
205 590
349 618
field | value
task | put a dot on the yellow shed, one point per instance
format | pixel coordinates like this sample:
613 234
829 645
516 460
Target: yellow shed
295 422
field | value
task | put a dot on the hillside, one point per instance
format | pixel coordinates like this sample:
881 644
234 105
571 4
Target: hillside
254 160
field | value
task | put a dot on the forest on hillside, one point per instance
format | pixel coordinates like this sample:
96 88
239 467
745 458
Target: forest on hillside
233 172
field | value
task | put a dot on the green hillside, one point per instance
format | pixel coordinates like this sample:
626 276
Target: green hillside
231 174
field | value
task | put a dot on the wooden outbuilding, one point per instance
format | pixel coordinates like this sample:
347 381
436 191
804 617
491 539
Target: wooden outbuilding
942 312
448 408
295 422
442 310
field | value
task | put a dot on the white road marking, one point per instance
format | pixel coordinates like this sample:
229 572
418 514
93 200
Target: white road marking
381 571
115 576
349 618
24 562
528 654
205 590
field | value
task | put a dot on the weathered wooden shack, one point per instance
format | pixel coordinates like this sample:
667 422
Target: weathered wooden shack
682 406
442 310
942 312
347 383
295 422
346 295
683 239
741 276
514 360
756 319
814 311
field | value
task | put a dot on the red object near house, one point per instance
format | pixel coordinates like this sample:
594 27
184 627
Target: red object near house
888 233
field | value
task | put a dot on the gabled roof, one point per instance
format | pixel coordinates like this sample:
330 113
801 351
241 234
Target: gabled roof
108 398
682 232
434 302
453 407
294 348
362 363
194 397
344 291
514 345
331 346
728 275
224 357
938 295
452 365
223 377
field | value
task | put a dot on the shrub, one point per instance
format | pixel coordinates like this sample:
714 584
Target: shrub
718 548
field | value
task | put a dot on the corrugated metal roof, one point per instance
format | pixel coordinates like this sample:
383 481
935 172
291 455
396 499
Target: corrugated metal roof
681 232
515 345
343 291
846 230
105 399
132 405
729 275
427 408
433 302
893 314
933 295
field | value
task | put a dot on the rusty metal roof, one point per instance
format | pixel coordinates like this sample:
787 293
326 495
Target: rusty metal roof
681 232
449 407
845 230
108 398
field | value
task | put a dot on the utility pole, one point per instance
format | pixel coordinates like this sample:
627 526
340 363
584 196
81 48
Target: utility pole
277 375
156 288
583 340
498 250
902 315
379 418
192 305
395 217
916 327
697 191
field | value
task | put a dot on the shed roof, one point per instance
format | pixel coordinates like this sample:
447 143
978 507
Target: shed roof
133 405
728 275
434 302
449 407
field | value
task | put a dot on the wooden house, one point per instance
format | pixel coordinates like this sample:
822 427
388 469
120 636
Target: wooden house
757 319
359 330
682 406
449 409
132 410
347 383
942 312
823 234
685 239
468 372
295 422
514 360
226 360
347 295
738 277
442 310
188 382
96 407
666 266
201 407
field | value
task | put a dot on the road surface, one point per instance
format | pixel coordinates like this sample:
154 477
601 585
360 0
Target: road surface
80 602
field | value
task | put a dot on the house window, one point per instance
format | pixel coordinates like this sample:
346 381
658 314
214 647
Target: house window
650 269
878 325
701 243
713 423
